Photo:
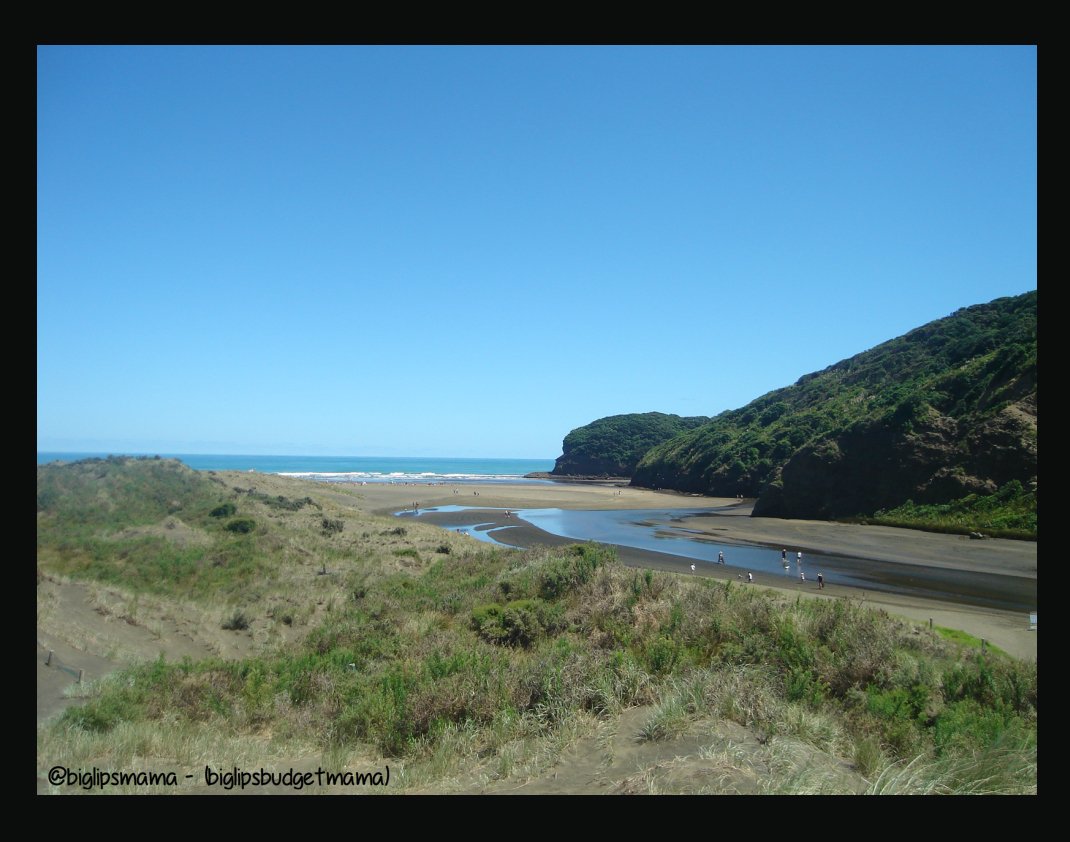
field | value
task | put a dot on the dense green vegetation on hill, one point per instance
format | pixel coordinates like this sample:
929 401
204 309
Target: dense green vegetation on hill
1009 513
613 446
946 411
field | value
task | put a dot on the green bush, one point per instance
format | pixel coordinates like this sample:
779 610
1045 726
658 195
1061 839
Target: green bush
564 574
662 654
241 525
967 726
332 526
518 623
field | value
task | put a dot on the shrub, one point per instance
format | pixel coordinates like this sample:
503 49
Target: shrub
519 623
226 510
564 574
968 726
236 622
662 655
241 525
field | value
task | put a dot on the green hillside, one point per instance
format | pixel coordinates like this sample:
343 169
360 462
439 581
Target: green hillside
613 446
154 525
947 412
119 491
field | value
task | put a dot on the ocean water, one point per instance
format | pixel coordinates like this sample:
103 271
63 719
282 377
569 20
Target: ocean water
354 468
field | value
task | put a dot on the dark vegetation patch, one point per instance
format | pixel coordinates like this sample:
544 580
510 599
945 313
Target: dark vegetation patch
280 502
236 622
241 525
332 526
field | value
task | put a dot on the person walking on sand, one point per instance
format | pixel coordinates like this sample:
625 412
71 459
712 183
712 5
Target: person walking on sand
820 581
720 558
692 568
750 577
784 556
802 576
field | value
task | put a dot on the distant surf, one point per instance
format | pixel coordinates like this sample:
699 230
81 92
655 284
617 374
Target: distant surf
348 469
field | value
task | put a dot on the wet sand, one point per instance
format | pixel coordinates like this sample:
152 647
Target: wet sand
728 521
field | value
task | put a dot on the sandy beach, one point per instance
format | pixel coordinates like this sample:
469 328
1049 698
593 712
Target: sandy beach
727 521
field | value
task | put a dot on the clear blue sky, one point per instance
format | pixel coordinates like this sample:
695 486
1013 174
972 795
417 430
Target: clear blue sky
471 251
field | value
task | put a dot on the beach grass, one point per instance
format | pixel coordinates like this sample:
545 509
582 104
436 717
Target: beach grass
482 666
968 640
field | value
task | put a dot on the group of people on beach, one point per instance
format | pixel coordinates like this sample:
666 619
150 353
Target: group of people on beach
720 560
802 573
784 561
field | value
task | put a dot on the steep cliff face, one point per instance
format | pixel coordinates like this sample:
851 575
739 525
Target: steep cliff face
947 410
879 466
613 446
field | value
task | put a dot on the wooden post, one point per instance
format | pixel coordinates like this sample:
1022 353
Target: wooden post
983 645
80 674
48 660
930 624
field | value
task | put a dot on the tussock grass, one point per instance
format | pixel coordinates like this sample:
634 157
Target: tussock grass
485 664
993 771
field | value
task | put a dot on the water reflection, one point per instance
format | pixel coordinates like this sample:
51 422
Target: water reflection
666 531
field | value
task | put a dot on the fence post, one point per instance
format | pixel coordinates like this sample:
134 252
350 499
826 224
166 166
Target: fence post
48 660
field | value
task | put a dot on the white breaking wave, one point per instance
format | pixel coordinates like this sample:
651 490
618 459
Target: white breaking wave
400 476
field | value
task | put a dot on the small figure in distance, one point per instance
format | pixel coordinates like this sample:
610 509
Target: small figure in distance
750 577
